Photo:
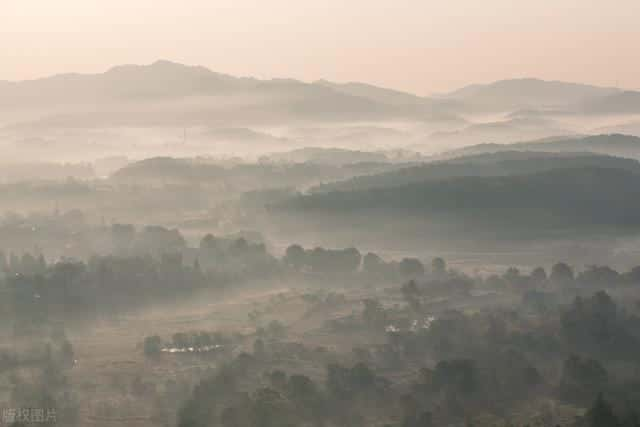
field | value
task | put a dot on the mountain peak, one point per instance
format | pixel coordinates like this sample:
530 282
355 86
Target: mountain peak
166 63
159 65
528 92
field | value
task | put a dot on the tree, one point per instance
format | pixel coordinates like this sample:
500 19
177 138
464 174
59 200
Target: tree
595 325
412 295
350 260
270 409
234 417
538 276
295 256
301 389
599 275
411 267
458 375
29 264
259 349
210 242
278 380
239 247
631 420
14 263
561 274
122 236
633 276
152 346
276 329
373 313
181 340
438 267
583 375
66 354
372 264
158 240
323 260
202 339
512 276
362 377
4 264
421 419
338 381
318 260
601 414
41 264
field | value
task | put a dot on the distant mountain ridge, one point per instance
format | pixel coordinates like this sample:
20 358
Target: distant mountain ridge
169 79
616 103
166 94
365 90
613 144
525 93
162 78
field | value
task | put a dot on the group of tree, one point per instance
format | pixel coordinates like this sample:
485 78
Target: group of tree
350 260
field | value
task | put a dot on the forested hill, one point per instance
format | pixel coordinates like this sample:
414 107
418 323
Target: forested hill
614 145
560 197
241 176
489 164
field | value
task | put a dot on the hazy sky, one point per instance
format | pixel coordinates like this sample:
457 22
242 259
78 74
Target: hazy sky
418 45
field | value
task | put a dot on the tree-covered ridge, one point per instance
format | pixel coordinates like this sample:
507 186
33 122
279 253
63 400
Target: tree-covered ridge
559 197
244 176
505 163
613 144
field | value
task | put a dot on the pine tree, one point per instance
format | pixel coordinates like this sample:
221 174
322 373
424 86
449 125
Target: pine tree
601 414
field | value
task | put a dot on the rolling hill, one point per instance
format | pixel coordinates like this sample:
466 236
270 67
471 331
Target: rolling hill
588 197
627 102
514 94
237 177
613 144
168 92
506 163
503 131
329 156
